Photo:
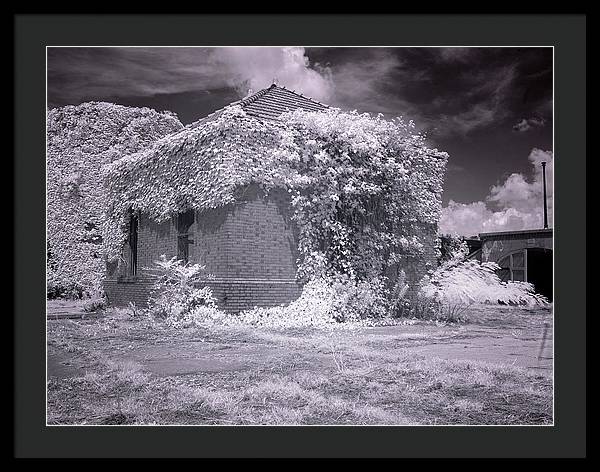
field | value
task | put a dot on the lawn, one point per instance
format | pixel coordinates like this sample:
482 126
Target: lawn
118 370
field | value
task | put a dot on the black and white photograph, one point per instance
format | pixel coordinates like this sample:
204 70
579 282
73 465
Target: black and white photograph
300 235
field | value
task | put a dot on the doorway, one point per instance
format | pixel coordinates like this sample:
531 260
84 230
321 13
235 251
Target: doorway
539 270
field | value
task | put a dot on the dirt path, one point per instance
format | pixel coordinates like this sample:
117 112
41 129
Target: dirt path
501 340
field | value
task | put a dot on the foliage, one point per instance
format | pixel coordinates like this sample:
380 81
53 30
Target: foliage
80 139
94 304
399 304
361 187
423 307
174 292
460 282
325 302
452 247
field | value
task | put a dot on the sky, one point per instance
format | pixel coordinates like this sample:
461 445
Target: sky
489 108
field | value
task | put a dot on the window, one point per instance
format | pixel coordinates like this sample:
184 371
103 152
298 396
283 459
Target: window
133 240
184 222
514 267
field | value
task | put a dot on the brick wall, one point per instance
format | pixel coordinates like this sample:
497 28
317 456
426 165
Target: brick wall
250 248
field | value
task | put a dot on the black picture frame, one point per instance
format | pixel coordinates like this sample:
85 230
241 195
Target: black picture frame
32 33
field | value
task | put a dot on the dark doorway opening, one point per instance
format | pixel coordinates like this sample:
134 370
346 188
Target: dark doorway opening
133 243
184 222
539 270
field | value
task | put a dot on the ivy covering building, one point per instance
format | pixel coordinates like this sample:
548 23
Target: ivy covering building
270 192
80 140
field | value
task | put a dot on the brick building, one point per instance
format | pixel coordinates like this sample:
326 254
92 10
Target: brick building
249 247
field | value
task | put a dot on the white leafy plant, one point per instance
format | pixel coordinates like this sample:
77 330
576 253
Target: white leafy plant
464 282
325 302
80 139
175 289
361 187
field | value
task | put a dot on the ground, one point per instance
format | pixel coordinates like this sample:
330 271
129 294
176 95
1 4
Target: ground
113 369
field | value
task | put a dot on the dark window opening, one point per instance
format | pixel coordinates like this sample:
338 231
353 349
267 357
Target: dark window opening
133 240
184 222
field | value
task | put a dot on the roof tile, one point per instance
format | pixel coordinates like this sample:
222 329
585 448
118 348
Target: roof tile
271 102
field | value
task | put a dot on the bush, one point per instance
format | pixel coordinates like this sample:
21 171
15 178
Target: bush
95 304
204 315
325 301
460 282
452 247
64 290
428 308
174 292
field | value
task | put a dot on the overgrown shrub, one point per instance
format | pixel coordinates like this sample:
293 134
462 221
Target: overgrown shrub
452 247
326 301
174 292
459 282
80 140
66 289
362 187
423 307
95 304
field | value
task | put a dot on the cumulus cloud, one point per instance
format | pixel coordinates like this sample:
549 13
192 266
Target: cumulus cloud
515 204
147 71
257 68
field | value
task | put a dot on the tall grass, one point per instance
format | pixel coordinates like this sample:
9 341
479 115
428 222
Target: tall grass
459 282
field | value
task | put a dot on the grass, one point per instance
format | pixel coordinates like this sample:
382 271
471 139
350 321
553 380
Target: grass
365 377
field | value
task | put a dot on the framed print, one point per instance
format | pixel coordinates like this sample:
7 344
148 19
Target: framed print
285 242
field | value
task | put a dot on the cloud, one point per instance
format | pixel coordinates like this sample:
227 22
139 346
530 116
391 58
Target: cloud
359 82
448 92
484 102
478 116
527 123
98 73
455 54
515 204
257 68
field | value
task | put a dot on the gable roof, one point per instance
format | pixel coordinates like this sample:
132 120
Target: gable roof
272 102
268 104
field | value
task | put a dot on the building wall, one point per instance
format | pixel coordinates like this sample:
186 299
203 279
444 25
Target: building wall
249 248
495 246
523 256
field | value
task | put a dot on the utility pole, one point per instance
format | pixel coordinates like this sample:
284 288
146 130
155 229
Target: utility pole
545 206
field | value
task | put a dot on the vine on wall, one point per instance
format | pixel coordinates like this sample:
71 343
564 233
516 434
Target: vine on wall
361 187
80 140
